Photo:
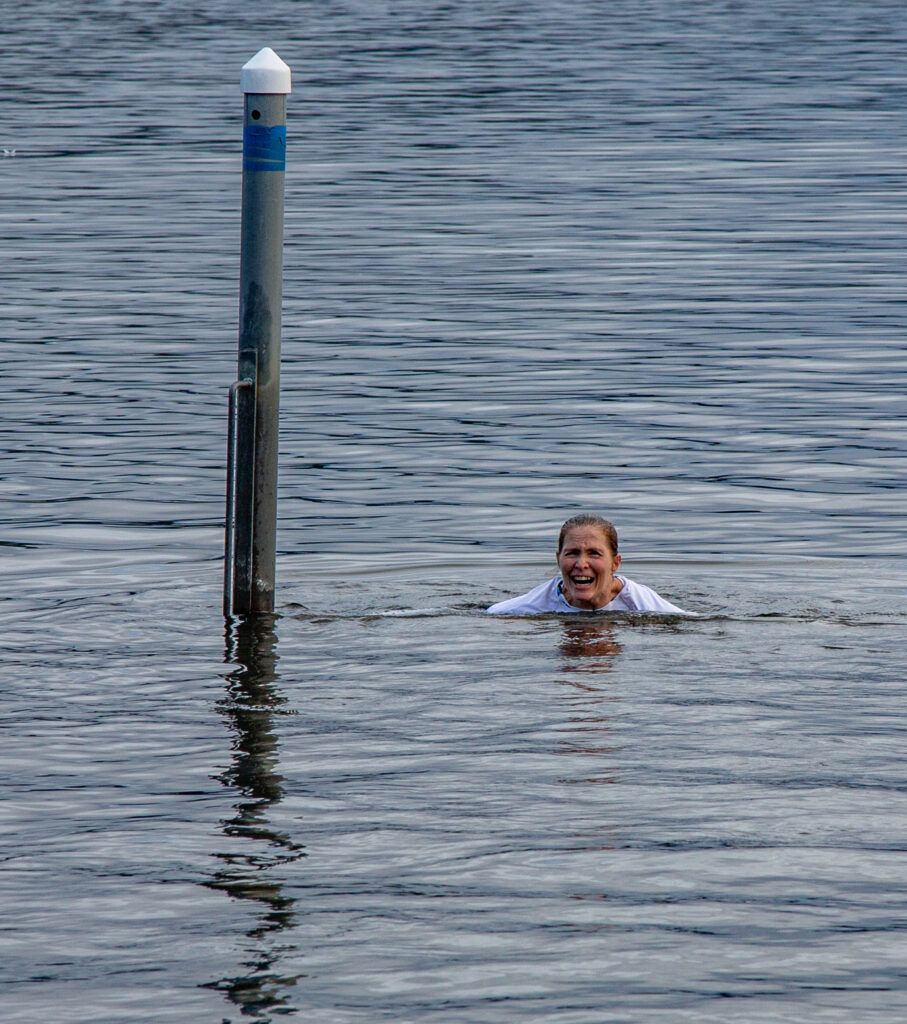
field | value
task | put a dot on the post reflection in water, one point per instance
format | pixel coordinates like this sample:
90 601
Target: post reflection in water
248 871
589 647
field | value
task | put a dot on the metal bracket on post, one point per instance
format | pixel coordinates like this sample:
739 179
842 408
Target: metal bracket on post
240 488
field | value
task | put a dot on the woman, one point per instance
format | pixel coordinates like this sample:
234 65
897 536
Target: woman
588 559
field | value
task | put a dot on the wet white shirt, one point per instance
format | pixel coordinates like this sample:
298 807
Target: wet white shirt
547 597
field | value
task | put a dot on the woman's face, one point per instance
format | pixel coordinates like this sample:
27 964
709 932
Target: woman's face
587 567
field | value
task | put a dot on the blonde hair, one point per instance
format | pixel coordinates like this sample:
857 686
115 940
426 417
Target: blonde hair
589 519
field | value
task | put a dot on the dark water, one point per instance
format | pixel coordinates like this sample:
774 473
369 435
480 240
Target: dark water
640 258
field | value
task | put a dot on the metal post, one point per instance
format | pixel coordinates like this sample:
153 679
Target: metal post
251 521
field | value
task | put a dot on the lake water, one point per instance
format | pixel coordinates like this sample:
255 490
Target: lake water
645 259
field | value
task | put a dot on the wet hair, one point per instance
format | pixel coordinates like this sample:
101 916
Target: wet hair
589 519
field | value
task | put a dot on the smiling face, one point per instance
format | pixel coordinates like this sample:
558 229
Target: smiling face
587 567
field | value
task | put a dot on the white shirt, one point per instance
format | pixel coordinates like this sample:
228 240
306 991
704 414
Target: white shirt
547 597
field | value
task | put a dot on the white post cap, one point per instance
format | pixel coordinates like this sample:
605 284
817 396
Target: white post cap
265 73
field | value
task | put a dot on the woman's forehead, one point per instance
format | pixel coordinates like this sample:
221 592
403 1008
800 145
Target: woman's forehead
588 535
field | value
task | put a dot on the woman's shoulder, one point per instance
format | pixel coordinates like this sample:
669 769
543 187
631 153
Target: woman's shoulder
543 598
638 597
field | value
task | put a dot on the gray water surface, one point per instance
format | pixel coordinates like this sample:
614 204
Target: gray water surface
644 259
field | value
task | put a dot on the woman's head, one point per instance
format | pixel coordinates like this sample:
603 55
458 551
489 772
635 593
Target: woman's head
589 519
588 559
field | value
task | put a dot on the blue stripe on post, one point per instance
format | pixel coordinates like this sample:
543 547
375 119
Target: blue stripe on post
264 149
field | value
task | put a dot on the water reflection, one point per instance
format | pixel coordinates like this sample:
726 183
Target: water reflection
589 646
249 870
